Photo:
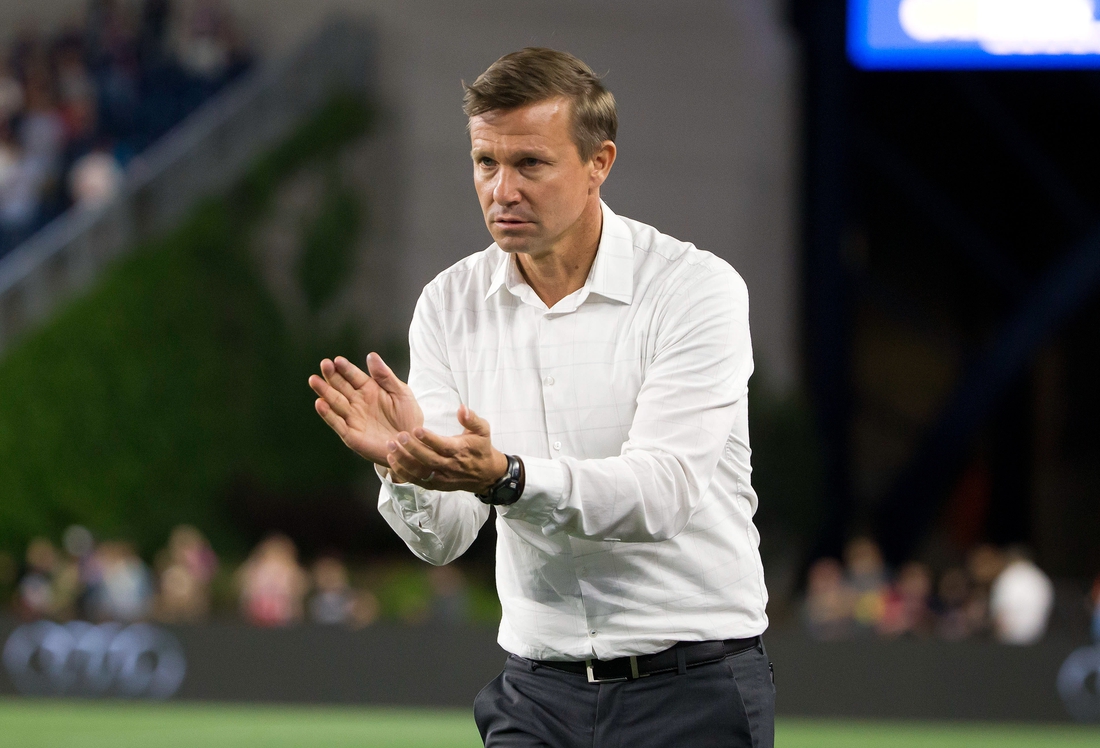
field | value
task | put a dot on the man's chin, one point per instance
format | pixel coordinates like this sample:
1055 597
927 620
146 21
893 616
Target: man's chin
513 244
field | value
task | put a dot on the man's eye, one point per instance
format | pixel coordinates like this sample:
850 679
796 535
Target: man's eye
530 162
485 161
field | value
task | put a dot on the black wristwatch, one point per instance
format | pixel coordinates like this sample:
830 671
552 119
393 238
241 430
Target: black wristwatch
508 489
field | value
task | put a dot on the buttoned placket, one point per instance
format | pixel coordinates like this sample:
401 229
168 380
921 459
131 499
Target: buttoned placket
552 405
549 324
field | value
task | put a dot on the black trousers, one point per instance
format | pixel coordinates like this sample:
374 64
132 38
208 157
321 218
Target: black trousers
725 704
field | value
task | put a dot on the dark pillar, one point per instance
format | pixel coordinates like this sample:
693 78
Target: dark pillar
827 314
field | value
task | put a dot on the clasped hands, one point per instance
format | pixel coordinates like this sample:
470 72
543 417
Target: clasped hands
377 417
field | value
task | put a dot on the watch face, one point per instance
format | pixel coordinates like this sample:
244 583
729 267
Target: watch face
504 491
506 494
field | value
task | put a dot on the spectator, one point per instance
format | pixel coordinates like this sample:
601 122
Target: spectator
366 609
17 195
906 609
983 564
186 571
79 545
205 45
10 152
121 588
41 129
118 87
50 587
35 597
95 178
156 16
272 584
953 597
867 580
77 97
829 601
11 93
19 203
74 81
78 542
1020 602
450 597
333 601
100 22
26 46
116 78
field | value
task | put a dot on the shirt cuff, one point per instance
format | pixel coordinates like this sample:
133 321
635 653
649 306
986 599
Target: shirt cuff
544 486
402 493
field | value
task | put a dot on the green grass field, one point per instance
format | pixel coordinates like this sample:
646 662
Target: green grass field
67 724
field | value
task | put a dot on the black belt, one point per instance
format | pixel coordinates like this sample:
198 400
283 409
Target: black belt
677 658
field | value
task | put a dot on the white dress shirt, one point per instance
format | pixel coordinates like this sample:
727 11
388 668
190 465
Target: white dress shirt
627 402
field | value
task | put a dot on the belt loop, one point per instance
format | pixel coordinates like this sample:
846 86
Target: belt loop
681 661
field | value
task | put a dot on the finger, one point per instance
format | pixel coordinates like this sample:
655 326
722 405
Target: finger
397 475
336 379
447 446
383 374
349 371
408 462
421 451
332 396
406 468
471 421
335 422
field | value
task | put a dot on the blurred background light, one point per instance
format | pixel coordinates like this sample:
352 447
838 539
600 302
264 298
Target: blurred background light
961 34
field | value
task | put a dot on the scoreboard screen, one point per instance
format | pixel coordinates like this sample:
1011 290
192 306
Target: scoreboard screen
968 34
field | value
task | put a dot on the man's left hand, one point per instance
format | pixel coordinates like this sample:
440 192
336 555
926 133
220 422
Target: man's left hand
467 462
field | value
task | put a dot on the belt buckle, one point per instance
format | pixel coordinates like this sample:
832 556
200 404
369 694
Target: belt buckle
633 672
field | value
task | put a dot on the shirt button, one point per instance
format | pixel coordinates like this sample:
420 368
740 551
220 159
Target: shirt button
557 445
593 632
549 381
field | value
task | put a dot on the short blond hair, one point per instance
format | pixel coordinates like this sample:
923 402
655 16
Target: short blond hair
536 74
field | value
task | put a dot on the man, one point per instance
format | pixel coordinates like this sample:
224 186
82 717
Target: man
597 372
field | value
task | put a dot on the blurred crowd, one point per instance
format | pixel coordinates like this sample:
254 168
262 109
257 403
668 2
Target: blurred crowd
997 593
108 581
76 105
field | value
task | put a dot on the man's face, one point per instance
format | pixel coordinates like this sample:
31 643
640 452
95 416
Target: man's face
530 179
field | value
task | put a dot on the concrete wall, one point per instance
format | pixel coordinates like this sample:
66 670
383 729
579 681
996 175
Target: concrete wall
706 90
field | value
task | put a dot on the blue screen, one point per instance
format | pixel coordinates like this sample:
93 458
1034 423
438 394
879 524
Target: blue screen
967 34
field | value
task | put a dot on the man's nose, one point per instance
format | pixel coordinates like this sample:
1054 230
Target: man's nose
506 190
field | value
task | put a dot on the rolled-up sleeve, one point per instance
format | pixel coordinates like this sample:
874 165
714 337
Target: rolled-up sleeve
437 526
691 387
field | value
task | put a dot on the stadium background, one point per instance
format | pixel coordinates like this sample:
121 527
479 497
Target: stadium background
285 178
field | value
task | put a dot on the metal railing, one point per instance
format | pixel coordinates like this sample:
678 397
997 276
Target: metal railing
202 155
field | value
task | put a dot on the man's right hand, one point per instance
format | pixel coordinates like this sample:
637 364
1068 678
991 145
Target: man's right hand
365 410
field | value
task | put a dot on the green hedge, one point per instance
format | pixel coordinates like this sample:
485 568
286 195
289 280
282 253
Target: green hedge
140 403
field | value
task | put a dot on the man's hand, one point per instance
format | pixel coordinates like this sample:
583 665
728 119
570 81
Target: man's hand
467 462
366 411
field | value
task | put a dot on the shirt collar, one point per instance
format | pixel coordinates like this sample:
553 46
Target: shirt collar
612 273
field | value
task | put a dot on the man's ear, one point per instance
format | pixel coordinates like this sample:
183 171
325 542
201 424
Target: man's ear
602 161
